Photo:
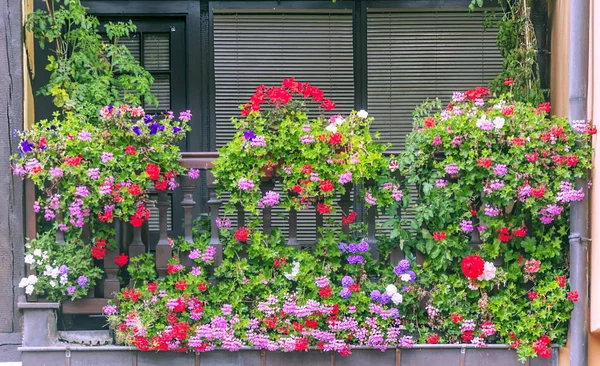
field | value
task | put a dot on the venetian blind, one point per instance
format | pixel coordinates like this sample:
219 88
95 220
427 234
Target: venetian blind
251 49
413 56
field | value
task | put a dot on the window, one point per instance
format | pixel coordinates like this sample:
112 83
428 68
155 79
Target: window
413 56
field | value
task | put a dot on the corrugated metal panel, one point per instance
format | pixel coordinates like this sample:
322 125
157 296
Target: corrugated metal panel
252 49
413 56
157 52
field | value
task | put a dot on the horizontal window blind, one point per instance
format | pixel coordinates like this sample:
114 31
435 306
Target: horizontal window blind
251 49
413 56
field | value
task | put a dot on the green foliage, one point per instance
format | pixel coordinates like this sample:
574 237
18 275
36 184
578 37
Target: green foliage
142 268
87 73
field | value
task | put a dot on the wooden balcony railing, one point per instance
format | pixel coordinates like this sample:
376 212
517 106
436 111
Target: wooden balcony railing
137 241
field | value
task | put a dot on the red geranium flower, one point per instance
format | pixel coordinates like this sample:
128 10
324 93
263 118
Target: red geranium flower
508 110
323 208
508 81
518 141
503 235
572 160
152 287
301 344
335 138
347 220
105 217
532 295
439 236
456 318
153 171
202 287
484 162
429 122
326 186
433 338
297 189
241 234
562 280
520 232
181 285
130 150
573 296
472 266
99 249
328 104
172 268
355 287
592 130
306 169
134 190
161 185
325 292
544 107
74 160
121 259
467 336
311 323
538 192
532 158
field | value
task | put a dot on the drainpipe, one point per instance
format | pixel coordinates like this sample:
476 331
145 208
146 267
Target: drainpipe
578 239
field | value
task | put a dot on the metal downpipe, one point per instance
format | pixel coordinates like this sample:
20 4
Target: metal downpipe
578 238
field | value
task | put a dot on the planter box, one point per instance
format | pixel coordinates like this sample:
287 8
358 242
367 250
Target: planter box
420 355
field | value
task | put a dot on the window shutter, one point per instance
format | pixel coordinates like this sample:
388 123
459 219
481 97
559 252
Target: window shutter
252 49
413 56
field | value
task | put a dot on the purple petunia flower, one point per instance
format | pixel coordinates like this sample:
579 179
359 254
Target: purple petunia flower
345 293
82 281
136 130
147 118
363 246
63 270
375 295
71 290
26 146
347 281
249 135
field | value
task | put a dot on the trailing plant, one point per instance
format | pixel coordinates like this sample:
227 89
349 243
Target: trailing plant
87 72
64 270
97 170
314 159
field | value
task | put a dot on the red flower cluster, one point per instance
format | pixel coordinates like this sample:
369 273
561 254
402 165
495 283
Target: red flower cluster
532 158
132 294
181 285
152 287
542 347
328 104
504 235
573 296
323 208
241 234
301 344
74 160
306 169
538 192
439 235
508 81
99 248
326 186
134 190
456 318
121 259
508 110
105 217
429 122
433 338
472 266
562 280
520 232
484 162
278 262
130 150
202 287
355 287
591 130
297 189
347 220
479 92
544 107
532 295
335 138
141 214
518 141
173 268
325 292
153 171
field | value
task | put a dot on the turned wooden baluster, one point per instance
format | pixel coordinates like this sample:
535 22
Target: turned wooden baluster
188 186
267 210
60 235
163 249
293 226
345 203
111 269
137 246
214 204
397 254
371 215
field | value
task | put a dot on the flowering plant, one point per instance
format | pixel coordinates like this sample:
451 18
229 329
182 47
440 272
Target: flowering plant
60 270
314 158
98 172
94 172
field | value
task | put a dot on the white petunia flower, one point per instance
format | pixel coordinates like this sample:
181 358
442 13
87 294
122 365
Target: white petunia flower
498 123
362 113
397 298
295 270
37 252
405 277
390 290
489 272
29 259
29 289
332 127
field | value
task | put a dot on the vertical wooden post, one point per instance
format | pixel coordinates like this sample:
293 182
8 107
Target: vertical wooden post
371 215
163 249
188 186
293 227
266 186
345 203
137 246
111 282
214 204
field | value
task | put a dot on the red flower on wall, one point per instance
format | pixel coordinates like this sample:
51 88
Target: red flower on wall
472 266
121 259
241 234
